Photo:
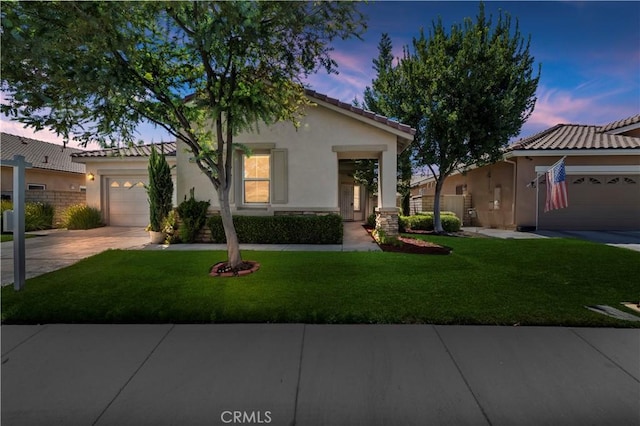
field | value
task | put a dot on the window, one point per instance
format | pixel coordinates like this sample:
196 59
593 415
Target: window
594 181
256 178
629 180
36 187
356 198
613 181
578 181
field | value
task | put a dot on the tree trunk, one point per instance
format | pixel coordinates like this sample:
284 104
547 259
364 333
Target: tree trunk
234 258
437 223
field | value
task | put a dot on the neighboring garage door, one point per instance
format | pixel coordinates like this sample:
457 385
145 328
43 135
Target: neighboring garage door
127 201
596 202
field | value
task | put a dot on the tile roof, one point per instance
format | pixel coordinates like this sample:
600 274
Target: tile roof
42 155
169 149
635 119
575 136
360 111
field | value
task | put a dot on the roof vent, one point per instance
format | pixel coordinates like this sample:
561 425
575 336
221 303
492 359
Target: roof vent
46 159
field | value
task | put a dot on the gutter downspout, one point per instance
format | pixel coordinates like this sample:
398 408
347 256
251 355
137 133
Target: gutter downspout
513 191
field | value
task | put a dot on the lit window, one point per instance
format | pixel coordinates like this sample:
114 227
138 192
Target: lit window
127 184
115 184
256 179
356 198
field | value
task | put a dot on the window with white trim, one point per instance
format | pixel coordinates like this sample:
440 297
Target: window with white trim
36 186
256 179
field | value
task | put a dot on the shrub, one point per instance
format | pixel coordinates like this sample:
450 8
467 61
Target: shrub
81 216
382 238
193 216
450 223
443 213
416 222
298 229
424 222
371 221
170 227
159 190
38 216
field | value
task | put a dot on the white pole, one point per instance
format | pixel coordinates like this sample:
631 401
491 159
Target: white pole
19 166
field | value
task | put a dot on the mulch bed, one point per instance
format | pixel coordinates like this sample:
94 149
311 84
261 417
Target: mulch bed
414 246
221 269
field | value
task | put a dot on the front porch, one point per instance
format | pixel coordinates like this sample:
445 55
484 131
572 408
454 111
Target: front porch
355 202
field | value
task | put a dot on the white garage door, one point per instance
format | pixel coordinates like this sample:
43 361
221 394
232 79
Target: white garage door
596 202
127 203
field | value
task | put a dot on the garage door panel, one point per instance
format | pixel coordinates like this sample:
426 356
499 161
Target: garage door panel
127 201
595 203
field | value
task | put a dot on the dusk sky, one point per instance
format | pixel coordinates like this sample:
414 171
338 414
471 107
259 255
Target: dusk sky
589 51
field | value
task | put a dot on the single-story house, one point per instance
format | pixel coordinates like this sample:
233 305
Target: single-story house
291 171
52 168
602 177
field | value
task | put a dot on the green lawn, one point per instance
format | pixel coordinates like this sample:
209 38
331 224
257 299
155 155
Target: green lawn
484 281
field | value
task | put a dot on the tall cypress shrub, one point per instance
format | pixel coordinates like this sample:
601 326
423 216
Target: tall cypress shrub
159 190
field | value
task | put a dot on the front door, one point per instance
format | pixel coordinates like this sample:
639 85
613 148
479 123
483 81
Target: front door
346 201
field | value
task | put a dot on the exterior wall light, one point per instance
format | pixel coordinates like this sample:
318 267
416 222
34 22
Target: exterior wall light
91 176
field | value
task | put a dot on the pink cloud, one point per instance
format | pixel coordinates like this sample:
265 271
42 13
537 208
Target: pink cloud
18 129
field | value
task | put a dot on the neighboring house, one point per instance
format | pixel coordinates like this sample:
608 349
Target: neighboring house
291 171
116 181
52 168
602 175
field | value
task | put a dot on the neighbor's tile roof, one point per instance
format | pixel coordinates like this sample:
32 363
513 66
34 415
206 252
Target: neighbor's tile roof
635 119
169 149
360 111
575 136
42 155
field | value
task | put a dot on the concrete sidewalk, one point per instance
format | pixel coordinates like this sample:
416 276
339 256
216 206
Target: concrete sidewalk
307 375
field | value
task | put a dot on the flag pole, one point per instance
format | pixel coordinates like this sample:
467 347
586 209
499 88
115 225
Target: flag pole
537 181
537 198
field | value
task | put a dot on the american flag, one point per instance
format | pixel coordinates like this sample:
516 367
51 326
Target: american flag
556 188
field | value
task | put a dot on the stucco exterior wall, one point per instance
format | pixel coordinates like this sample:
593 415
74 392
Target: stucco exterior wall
312 165
495 209
54 180
101 168
491 190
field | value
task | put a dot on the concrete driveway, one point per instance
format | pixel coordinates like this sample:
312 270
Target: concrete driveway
58 248
624 239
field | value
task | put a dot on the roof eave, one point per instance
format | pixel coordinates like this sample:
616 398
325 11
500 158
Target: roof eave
407 134
572 152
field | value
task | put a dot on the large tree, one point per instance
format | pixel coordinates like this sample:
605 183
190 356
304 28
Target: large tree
203 71
385 96
471 89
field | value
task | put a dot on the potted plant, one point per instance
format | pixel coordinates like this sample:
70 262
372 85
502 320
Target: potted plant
160 193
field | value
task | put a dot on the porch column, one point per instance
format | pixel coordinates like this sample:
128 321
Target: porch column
387 211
